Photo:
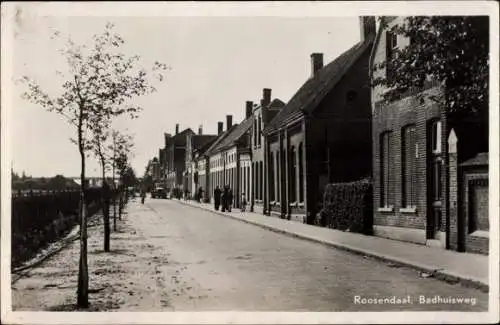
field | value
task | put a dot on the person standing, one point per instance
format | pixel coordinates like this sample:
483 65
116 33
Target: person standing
200 194
243 202
229 199
224 199
217 194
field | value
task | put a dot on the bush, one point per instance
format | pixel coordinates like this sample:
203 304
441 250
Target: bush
348 206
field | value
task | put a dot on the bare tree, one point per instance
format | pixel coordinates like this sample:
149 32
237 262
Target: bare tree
100 82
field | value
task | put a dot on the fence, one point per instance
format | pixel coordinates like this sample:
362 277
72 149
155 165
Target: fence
41 217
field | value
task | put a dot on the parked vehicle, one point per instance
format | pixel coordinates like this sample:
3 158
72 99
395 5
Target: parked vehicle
159 193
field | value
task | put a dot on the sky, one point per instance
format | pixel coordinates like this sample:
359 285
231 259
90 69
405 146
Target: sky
217 63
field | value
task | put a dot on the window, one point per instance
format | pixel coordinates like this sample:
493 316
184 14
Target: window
408 161
261 181
436 137
255 133
385 169
254 181
391 48
278 176
271 177
260 130
293 173
301 174
248 183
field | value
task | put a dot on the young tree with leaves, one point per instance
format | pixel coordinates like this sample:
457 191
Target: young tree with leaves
452 51
120 148
100 81
100 135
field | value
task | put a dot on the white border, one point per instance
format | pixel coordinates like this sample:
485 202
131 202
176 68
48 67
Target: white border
288 9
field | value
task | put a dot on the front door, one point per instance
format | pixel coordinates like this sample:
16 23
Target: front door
434 181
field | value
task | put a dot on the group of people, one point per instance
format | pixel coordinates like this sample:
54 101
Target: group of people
225 198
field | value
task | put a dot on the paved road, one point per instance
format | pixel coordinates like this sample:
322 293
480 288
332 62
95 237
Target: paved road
210 262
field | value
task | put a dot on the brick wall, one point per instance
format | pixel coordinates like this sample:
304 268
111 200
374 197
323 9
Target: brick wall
394 117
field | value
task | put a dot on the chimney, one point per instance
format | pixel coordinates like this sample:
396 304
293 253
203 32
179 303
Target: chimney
220 128
367 27
316 63
229 121
249 109
200 130
177 129
167 136
266 97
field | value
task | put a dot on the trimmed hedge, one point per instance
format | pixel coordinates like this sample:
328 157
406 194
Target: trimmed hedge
39 220
348 206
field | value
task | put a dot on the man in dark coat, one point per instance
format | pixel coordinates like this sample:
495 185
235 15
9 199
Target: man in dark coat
224 199
229 200
217 194
200 194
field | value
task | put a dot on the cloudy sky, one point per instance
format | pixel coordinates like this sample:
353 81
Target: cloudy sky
217 64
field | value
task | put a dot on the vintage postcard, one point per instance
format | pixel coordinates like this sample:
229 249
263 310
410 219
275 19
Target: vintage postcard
250 162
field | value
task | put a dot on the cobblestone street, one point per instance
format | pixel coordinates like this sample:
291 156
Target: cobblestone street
170 257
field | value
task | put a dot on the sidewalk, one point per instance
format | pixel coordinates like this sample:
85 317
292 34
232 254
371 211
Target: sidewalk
470 269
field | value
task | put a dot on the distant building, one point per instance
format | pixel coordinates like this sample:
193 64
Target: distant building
262 115
194 143
176 158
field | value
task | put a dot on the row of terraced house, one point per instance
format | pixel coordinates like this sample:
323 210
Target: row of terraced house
430 178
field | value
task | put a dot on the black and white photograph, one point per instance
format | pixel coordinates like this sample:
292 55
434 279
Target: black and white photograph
239 162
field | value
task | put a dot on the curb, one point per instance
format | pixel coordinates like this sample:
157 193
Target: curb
444 275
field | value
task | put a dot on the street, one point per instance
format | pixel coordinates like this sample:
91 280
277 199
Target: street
167 256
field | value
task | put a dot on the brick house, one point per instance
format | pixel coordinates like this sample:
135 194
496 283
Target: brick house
194 142
210 162
322 135
176 155
411 178
262 116
202 163
229 153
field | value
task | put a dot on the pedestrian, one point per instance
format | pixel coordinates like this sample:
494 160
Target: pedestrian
143 195
200 194
243 202
229 199
224 199
217 197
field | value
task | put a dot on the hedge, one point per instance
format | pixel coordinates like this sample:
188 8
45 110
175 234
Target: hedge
39 220
348 206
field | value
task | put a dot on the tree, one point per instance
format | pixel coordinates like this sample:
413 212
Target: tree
100 135
120 148
450 50
129 177
99 83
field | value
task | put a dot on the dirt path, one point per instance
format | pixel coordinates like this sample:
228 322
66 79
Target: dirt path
126 278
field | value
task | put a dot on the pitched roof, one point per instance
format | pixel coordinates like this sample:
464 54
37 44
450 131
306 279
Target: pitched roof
219 138
481 159
200 140
235 134
180 138
317 87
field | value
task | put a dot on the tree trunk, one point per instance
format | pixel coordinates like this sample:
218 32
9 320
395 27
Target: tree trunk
83 275
105 210
114 193
120 208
